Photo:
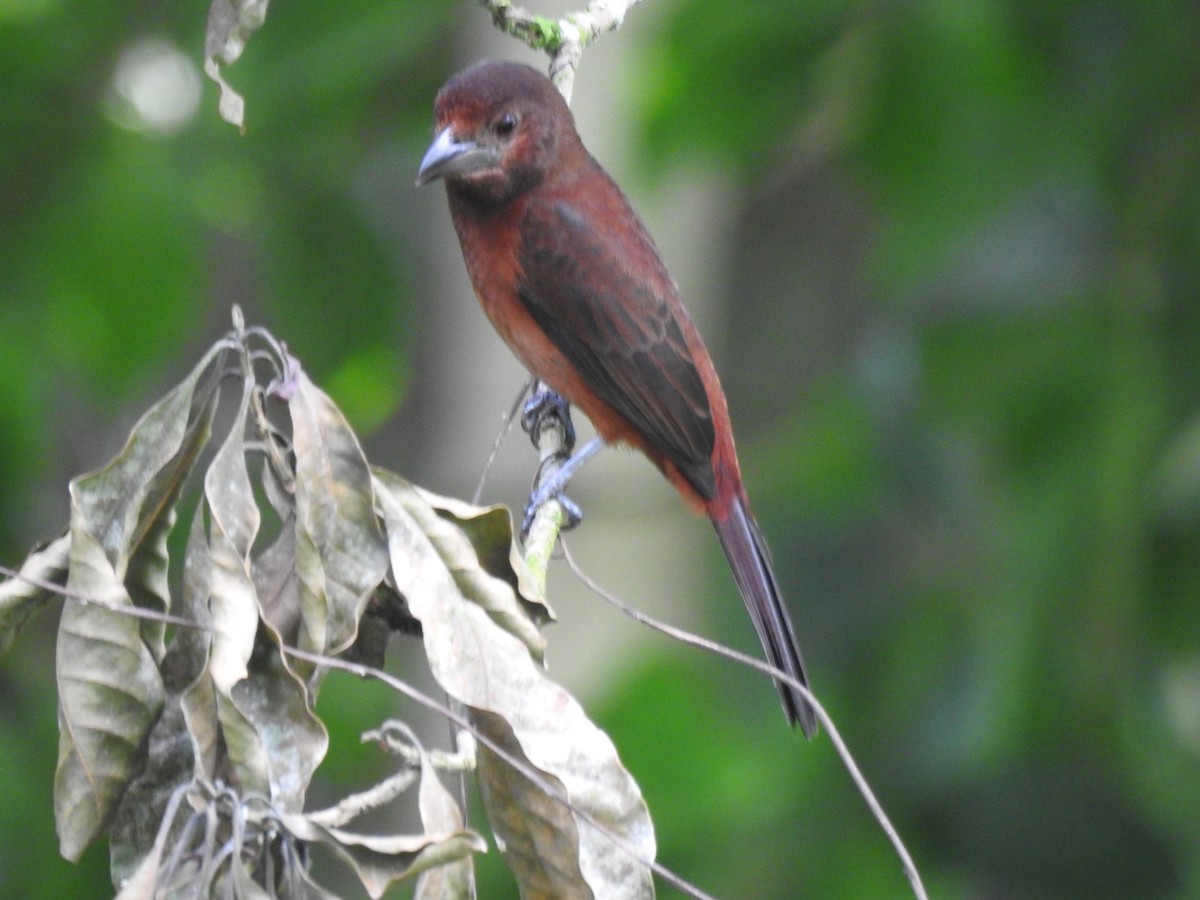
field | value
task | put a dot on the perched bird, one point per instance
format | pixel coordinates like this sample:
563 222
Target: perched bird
570 278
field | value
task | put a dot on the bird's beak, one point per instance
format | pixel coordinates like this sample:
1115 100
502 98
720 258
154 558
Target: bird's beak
448 156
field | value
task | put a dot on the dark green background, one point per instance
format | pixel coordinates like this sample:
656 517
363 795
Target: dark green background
960 338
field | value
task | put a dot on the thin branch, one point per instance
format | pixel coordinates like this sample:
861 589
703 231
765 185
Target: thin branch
355 805
505 428
563 39
839 745
553 452
462 760
136 612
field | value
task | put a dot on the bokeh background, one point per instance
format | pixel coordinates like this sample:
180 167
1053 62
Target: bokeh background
947 256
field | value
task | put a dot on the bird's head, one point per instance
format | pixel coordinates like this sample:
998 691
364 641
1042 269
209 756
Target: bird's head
500 127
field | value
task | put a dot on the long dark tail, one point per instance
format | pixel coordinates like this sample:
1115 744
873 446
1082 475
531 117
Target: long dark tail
751 563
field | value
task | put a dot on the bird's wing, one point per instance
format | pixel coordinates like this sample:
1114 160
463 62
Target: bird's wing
605 300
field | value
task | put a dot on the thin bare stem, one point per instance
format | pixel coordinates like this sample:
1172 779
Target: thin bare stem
835 737
505 428
136 612
458 761
548 519
349 808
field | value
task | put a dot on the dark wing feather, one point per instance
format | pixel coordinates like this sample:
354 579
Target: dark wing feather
619 331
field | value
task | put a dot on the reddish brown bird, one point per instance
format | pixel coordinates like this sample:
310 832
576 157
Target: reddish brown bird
572 281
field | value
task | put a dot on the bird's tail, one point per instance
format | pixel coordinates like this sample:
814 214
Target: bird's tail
751 563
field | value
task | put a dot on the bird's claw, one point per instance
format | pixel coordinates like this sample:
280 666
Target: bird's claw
545 404
572 514
553 487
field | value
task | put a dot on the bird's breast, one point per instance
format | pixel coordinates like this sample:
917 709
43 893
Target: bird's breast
491 245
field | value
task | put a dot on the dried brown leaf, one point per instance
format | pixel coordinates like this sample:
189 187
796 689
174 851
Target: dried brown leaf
489 670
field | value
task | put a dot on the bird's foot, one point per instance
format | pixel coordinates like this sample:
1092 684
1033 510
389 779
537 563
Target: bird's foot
554 483
543 407
572 514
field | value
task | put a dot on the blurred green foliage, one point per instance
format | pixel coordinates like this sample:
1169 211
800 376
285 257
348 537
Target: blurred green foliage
977 451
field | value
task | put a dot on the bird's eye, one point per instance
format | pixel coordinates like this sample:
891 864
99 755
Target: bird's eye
505 125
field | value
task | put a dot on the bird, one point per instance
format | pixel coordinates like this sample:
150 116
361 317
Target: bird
573 282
